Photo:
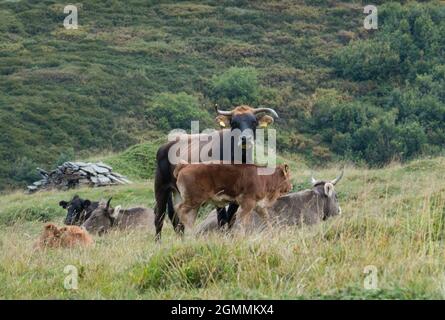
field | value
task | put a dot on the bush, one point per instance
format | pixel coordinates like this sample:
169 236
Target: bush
177 110
411 139
365 60
24 171
376 142
236 86
67 155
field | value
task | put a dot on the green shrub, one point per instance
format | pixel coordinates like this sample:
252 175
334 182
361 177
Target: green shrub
236 86
176 111
364 60
23 171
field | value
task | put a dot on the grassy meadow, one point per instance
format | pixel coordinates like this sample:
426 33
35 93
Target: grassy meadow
393 219
112 89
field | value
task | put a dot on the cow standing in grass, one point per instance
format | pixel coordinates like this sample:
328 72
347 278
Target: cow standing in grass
229 183
242 118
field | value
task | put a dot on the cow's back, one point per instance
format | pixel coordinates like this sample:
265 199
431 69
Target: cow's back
136 217
304 207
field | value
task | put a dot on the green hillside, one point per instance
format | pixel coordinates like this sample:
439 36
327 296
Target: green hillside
135 69
393 220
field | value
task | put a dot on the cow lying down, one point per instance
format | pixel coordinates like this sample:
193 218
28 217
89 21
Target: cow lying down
78 210
105 218
304 207
65 237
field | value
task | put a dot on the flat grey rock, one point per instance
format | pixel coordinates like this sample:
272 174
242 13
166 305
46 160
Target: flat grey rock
71 174
100 169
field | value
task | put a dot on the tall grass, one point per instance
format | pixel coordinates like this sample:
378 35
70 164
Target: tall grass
393 219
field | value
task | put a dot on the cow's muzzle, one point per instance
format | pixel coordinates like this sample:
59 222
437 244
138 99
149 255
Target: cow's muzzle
246 141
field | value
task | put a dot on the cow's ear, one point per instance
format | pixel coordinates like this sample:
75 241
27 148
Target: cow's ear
86 203
286 168
264 121
115 213
328 189
63 204
50 226
223 121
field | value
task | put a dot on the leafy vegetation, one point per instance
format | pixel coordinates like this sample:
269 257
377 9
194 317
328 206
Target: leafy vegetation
174 111
236 86
135 69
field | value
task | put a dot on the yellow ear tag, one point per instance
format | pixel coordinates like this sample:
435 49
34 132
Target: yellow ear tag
263 125
222 124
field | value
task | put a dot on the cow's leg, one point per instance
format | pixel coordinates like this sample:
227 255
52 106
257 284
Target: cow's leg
245 212
177 225
264 214
221 215
187 214
231 214
161 205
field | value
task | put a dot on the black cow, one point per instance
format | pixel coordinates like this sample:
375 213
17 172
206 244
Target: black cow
78 210
243 118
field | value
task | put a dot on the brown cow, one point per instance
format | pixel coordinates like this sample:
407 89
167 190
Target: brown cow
229 183
65 237
242 122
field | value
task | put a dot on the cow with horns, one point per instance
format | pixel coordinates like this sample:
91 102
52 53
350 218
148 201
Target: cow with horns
244 120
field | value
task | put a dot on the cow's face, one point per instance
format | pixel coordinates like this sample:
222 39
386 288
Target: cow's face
246 120
102 218
330 205
50 230
75 209
326 189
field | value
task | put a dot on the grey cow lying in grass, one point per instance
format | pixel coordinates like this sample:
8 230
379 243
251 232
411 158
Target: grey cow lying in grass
308 206
105 217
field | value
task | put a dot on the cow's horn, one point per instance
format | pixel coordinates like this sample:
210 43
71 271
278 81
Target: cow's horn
222 112
272 111
108 202
338 178
313 180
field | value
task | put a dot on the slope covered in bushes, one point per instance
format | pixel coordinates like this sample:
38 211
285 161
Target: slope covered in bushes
137 68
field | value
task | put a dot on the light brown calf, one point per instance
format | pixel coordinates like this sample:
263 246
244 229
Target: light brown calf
65 237
221 184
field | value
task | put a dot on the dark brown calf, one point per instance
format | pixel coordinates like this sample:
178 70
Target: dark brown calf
221 184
